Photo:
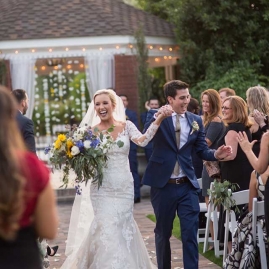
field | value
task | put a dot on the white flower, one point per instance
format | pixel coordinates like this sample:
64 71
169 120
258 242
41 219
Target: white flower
78 136
75 150
87 144
195 127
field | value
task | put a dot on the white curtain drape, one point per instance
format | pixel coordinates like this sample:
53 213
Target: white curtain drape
99 72
23 77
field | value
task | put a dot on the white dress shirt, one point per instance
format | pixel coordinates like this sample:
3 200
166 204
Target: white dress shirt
184 134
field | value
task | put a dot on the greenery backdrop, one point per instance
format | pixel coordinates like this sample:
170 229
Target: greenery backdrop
223 43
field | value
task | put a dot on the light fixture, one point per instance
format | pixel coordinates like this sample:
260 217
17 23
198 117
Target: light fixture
50 50
130 46
68 66
156 59
16 52
100 48
81 65
165 57
83 49
160 48
55 67
117 47
33 50
170 57
43 67
67 49
170 49
151 47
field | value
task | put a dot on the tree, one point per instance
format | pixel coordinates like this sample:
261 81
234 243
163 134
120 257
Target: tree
217 36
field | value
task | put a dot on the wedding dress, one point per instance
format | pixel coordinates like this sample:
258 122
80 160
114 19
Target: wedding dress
111 240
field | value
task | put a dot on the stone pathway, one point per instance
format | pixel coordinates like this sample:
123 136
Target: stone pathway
145 225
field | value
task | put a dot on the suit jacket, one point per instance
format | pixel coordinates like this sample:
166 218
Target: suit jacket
131 115
26 127
166 153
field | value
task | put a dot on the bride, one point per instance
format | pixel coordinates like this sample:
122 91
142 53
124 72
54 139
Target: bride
103 233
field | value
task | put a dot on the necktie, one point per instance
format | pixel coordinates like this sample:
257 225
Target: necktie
177 131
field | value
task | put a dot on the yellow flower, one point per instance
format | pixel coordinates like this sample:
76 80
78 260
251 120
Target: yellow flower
61 137
57 144
69 145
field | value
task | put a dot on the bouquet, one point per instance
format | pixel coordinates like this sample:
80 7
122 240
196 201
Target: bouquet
221 194
85 151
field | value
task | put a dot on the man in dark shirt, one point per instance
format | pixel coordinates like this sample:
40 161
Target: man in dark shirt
25 124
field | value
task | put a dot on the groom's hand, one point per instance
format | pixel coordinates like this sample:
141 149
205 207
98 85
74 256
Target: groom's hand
222 152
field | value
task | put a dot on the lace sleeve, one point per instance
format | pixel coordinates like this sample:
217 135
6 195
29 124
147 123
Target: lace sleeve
137 137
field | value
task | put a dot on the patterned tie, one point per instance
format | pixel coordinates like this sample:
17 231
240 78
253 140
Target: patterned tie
177 130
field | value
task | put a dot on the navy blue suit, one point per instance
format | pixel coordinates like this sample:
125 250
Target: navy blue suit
26 127
169 199
131 115
149 147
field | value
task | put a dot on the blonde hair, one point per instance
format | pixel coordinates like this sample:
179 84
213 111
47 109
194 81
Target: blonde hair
239 111
108 92
257 98
11 178
215 106
229 91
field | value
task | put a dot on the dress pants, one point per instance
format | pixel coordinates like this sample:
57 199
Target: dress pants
182 199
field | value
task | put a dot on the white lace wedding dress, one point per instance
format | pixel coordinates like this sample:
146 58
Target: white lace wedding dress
112 240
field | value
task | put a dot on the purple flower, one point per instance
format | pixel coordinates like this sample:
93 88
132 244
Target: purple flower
47 150
95 143
78 189
80 145
88 135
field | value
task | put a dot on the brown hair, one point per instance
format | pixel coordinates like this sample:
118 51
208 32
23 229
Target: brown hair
11 179
240 111
170 88
193 106
215 106
229 92
258 98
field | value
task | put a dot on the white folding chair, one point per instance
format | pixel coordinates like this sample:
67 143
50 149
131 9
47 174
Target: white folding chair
240 198
203 209
258 210
212 215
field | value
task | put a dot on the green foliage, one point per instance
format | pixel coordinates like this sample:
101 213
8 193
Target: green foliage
221 194
215 38
240 78
143 71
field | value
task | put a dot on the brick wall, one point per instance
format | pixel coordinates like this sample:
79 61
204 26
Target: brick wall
126 79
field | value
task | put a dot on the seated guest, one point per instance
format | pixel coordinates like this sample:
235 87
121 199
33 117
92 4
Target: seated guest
243 255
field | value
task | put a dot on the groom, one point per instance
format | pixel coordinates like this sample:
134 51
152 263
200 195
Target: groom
170 173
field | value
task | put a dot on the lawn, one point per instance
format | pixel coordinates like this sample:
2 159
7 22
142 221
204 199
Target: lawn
176 232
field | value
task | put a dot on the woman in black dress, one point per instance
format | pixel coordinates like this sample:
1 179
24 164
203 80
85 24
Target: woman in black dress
236 168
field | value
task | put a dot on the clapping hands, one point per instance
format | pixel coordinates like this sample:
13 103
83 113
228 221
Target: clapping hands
259 117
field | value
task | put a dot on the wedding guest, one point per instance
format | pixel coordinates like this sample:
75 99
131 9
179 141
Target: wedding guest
236 168
112 239
174 186
152 103
27 202
197 162
226 92
259 164
244 254
26 125
132 116
214 129
258 104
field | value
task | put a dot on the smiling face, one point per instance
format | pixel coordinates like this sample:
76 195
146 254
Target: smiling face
206 104
227 111
180 103
103 106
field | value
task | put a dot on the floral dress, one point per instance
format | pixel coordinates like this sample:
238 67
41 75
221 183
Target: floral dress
244 255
